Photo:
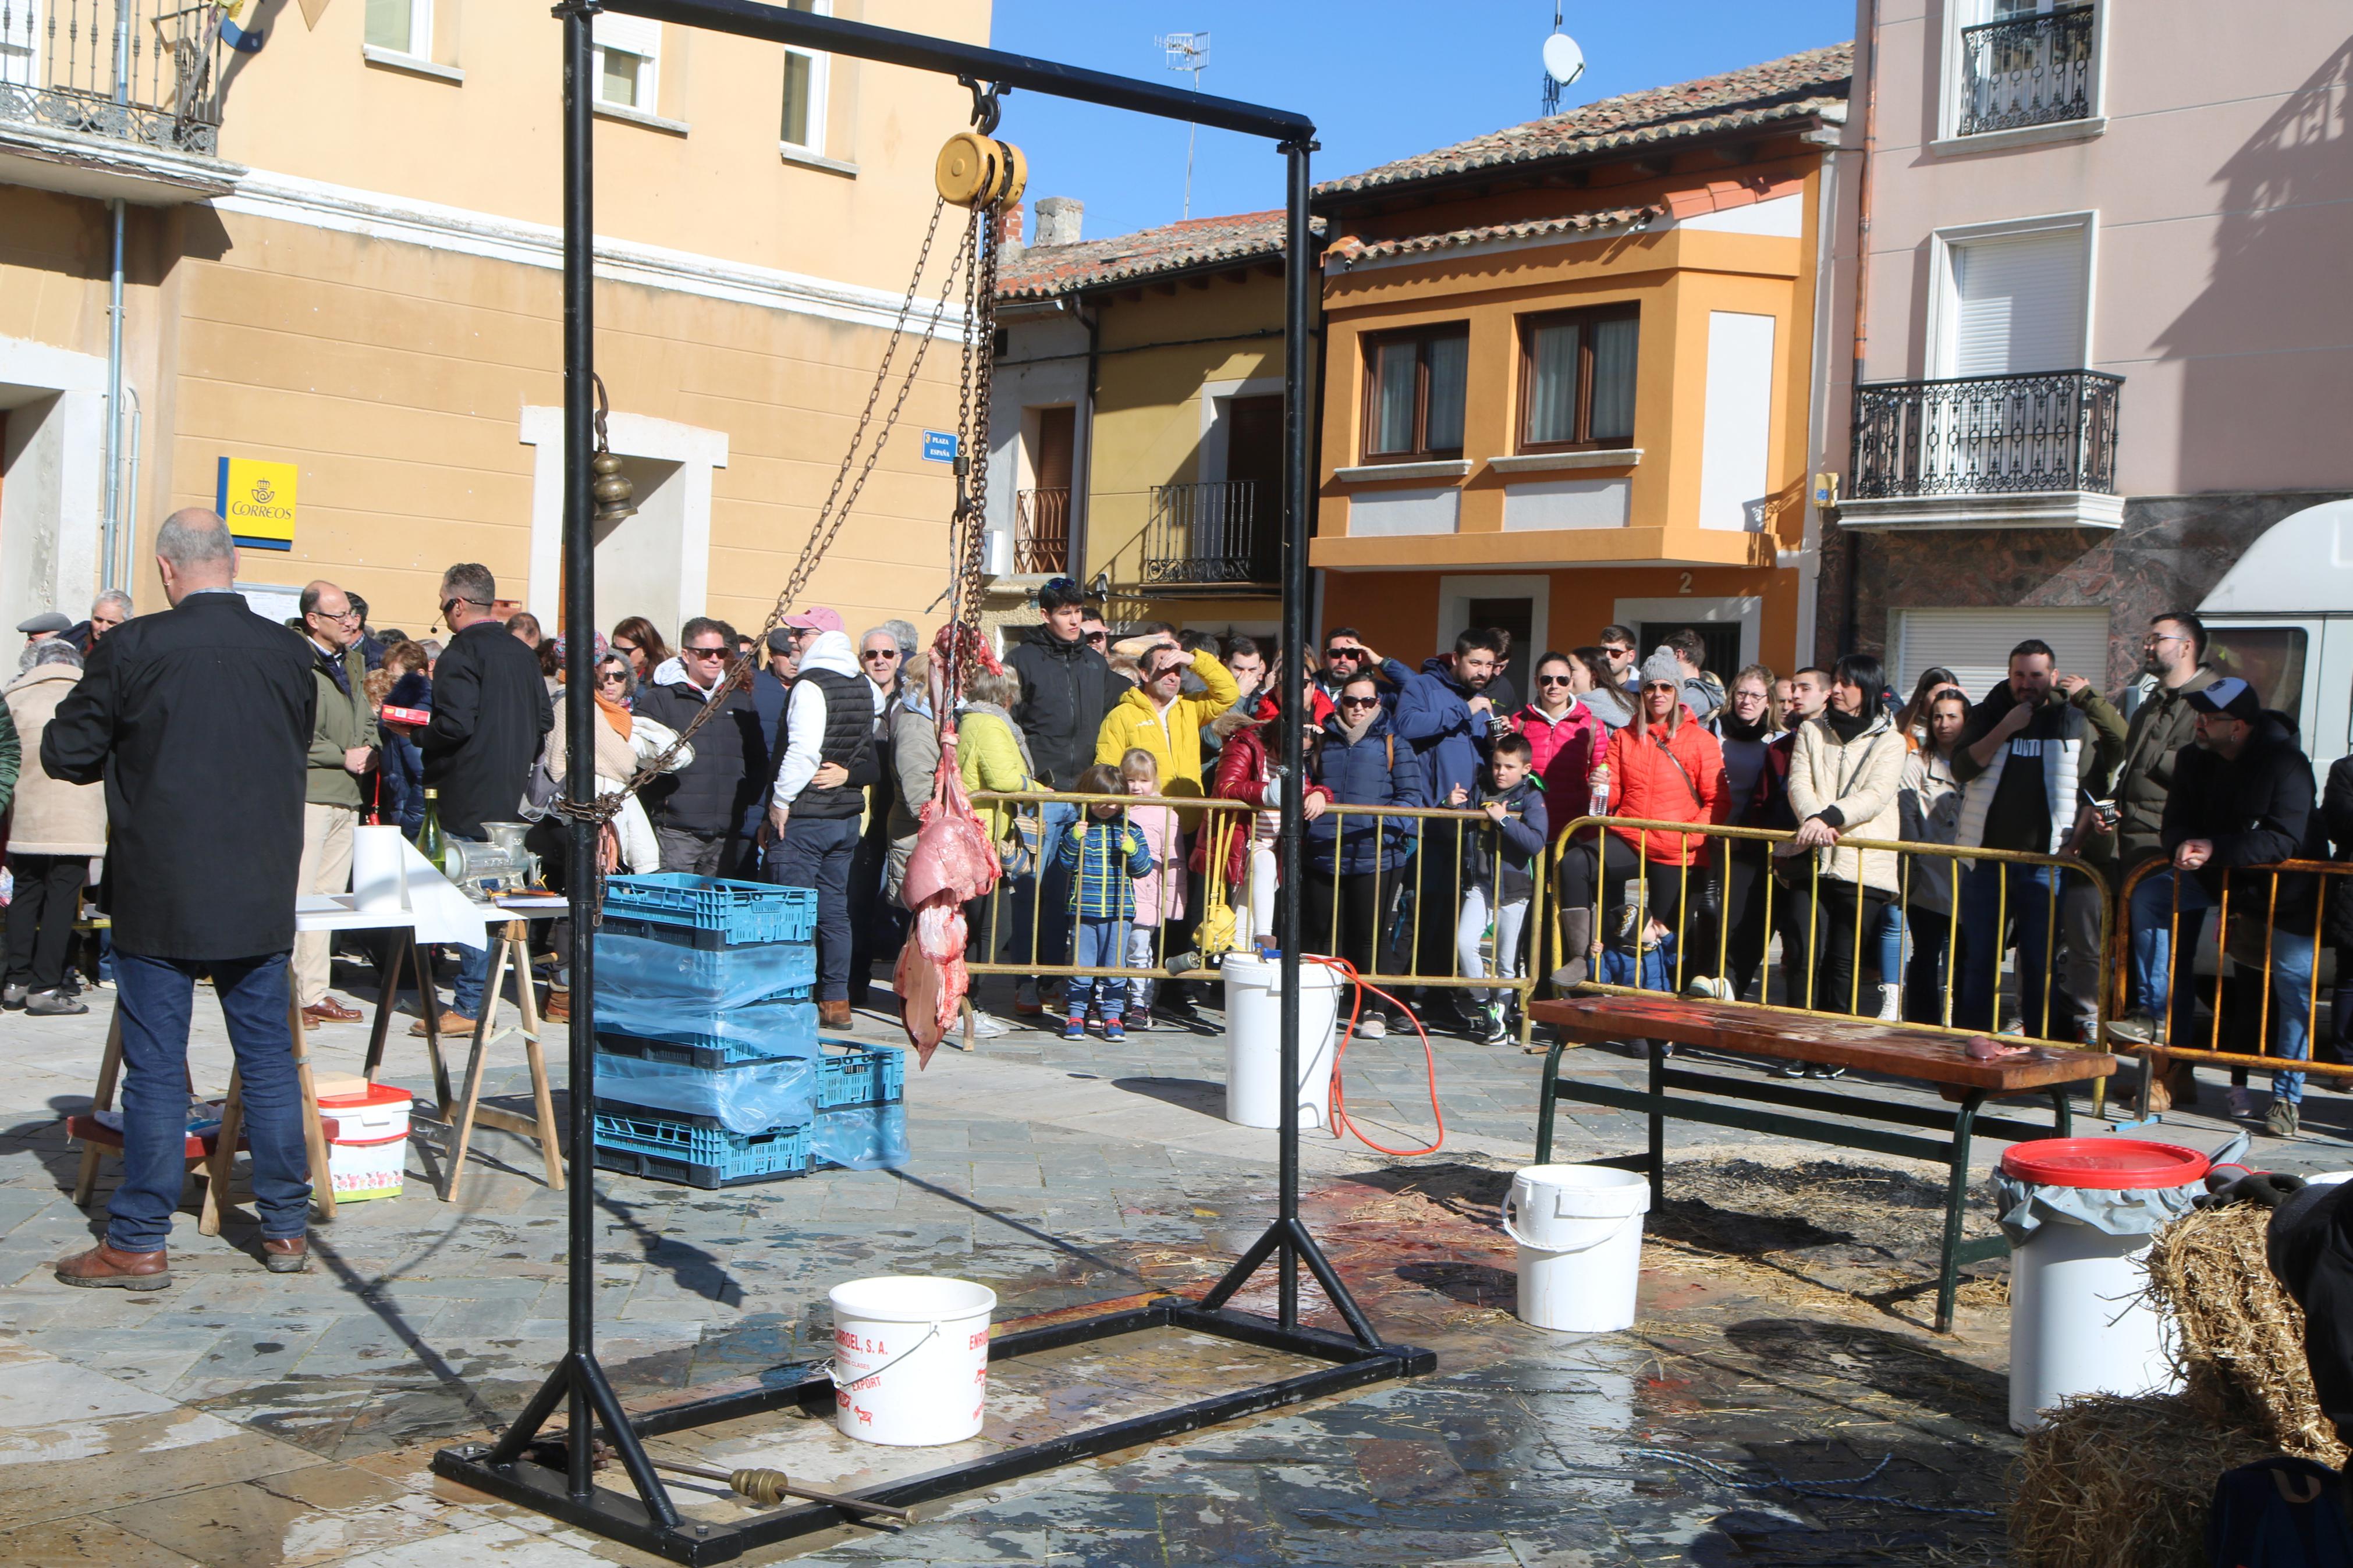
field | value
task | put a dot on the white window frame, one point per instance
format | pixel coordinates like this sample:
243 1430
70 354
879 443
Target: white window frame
1960 14
631 35
420 45
820 94
1943 285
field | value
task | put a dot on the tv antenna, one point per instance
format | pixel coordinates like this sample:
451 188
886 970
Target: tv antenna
1187 52
1564 62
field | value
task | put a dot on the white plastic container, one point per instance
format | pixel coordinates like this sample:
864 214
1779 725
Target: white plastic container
1579 1230
911 1359
1254 1040
2080 1320
368 1156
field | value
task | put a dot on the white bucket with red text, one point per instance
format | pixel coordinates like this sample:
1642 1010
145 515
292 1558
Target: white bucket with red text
911 1359
369 1152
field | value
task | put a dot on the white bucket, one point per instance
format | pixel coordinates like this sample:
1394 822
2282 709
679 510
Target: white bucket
911 1359
1579 1228
1254 1041
2080 1321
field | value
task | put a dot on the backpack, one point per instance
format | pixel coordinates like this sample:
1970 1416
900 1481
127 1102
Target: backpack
2278 1513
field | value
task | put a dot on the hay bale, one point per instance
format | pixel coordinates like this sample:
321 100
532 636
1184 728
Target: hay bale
2112 1482
2237 1336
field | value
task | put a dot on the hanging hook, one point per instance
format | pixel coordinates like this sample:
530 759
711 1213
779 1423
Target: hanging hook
985 109
604 407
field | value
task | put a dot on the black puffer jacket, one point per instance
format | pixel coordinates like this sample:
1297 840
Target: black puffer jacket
716 792
1066 689
2337 816
2257 808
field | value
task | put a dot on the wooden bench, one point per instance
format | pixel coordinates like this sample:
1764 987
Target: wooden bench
1895 1050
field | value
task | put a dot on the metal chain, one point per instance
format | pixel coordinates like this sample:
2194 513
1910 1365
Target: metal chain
968 542
832 513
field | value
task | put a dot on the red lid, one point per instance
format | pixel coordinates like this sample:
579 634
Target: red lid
2111 1164
375 1094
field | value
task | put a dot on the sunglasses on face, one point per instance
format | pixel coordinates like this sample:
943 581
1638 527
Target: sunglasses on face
704 652
1552 680
1343 653
1359 701
623 647
879 653
612 678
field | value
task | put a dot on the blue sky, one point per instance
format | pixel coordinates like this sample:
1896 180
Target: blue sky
1382 78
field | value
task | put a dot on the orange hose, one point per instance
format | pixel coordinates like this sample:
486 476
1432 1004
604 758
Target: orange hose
1340 1123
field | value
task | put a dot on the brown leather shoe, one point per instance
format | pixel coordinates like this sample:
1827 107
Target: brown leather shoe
326 1010
291 1256
834 1014
452 1023
103 1268
559 1005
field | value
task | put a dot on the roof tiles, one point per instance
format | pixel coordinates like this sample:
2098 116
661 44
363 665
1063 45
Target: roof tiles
1044 271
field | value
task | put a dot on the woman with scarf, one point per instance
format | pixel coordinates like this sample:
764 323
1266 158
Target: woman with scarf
1846 772
1596 686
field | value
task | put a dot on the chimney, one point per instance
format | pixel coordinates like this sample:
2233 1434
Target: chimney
1008 234
1057 220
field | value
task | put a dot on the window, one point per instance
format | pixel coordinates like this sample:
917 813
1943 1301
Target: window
2017 303
1577 379
1413 392
628 60
404 27
2025 63
804 84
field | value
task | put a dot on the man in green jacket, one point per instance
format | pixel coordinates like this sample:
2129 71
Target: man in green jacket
342 751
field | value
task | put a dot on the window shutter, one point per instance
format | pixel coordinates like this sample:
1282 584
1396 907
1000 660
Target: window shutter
634 34
1975 644
2018 304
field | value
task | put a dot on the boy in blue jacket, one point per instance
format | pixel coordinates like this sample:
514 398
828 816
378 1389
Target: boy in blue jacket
1499 871
1104 856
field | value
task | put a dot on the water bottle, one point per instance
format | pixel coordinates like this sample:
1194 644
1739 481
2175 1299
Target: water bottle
1600 806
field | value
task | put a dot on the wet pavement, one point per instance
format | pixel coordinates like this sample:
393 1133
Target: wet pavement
239 1417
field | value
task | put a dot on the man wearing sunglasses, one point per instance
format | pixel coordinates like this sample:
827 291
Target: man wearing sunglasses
1346 656
705 812
342 753
490 716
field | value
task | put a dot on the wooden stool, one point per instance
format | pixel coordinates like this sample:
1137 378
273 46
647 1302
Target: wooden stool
461 1113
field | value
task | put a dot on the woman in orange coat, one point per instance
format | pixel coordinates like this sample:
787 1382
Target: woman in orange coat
1664 767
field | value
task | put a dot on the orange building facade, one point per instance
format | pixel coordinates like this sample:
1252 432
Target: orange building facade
1569 371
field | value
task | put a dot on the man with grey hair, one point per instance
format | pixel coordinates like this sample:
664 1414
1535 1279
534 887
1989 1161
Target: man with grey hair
108 611
873 922
491 712
342 753
198 720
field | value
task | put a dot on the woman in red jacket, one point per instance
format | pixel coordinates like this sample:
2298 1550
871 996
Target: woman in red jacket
1662 767
1566 737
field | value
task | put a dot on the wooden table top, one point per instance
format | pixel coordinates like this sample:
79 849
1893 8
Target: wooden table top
1899 1051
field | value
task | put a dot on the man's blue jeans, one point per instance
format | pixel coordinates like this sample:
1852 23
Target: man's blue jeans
473 967
2291 979
155 998
1056 819
1993 892
2151 914
816 852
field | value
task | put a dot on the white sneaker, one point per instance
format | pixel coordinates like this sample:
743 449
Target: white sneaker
1372 1027
1025 997
1891 1004
984 1027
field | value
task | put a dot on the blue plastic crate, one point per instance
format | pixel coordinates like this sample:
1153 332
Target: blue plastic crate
650 975
783 1027
651 1139
736 911
861 1076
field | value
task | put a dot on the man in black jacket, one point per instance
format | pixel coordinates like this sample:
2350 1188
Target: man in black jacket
491 714
698 811
2242 796
1067 686
198 720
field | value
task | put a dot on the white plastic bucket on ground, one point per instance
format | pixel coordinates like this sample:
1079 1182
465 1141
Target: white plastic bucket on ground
368 1156
2080 1316
1579 1230
1254 1040
911 1359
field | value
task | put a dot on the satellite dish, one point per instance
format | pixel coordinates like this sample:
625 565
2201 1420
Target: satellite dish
1563 60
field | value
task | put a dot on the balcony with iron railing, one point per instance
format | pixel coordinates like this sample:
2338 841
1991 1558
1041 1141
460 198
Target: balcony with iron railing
2040 447
143 72
2027 70
1042 531
1215 535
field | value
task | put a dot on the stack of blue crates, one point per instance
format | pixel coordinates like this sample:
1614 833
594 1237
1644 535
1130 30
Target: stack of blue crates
709 1070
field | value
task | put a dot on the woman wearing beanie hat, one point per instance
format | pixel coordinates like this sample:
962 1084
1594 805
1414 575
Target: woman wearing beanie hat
1662 767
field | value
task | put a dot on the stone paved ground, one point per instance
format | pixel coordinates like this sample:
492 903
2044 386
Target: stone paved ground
242 1418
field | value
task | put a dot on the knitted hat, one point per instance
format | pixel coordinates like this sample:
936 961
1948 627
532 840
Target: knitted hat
1661 666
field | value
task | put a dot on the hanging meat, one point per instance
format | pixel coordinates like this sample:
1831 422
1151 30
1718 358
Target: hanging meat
953 863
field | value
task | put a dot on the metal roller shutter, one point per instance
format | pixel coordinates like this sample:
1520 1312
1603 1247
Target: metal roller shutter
2018 304
1975 644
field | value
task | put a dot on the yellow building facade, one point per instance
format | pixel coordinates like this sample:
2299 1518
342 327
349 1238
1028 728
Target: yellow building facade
341 253
1568 373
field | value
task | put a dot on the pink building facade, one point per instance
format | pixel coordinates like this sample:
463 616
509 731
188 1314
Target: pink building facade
2092 261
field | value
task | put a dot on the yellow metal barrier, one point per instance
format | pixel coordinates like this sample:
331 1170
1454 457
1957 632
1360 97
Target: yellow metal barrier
2234 956
1017 915
1946 864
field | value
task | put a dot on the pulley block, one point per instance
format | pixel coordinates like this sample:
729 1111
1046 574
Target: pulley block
976 170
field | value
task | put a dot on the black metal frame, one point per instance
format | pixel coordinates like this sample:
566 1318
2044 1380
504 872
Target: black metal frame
2046 61
650 1520
1986 434
1959 1124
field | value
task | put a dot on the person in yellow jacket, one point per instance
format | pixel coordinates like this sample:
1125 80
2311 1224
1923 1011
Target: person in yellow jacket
1153 717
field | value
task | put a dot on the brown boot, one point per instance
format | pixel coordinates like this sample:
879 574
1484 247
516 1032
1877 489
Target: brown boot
834 1014
452 1023
289 1255
559 1005
103 1268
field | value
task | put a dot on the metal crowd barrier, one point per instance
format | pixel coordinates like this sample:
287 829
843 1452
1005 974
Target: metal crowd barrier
1947 864
2254 890
1428 890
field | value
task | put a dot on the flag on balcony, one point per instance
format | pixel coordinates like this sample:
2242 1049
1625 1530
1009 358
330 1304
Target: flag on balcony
245 41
